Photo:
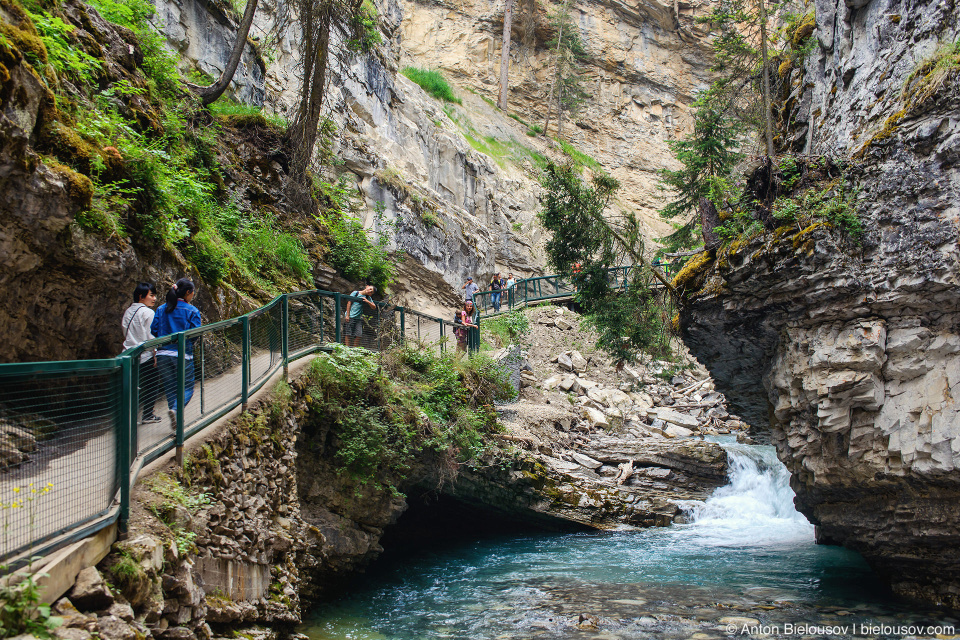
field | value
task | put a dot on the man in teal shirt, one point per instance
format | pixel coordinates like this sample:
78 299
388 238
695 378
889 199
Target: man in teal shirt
354 314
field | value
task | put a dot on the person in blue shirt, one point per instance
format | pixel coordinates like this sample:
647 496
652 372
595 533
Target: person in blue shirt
176 315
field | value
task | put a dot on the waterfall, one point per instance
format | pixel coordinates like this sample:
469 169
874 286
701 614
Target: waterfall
755 509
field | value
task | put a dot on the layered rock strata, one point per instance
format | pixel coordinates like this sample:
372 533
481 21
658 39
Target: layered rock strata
849 347
643 64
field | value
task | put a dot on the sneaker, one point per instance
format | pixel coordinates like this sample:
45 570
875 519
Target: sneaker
150 420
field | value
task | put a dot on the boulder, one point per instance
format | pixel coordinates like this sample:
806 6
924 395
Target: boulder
595 418
565 361
586 461
675 417
550 383
90 592
578 362
673 431
113 628
563 325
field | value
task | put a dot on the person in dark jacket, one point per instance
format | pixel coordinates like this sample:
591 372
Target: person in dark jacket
174 316
497 285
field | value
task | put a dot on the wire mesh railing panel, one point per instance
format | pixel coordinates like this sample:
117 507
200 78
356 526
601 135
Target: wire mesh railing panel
218 372
58 452
154 423
265 342
305 320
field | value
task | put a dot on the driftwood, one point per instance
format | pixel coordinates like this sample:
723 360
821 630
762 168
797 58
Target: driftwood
694 386
626 470
504 436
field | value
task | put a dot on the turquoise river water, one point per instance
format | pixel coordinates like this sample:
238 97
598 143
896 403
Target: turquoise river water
744 566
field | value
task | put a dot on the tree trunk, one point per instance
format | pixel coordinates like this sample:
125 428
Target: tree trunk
709 220
766 78
214 91
556 70
303 133
505 54
560 112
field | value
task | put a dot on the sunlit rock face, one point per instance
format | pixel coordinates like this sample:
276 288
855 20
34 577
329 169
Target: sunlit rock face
850 349
644 64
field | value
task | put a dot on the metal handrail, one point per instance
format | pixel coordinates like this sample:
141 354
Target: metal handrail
276 352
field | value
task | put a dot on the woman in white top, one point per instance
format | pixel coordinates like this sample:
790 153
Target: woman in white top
136 330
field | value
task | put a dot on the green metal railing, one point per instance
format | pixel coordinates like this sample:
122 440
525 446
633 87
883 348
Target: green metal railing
74 435
531 290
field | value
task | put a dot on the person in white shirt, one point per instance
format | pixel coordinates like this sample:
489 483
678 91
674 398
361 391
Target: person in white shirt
136 330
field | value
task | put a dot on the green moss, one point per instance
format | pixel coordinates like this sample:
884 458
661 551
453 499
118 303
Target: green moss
785 67
25 40
894 18
79 186
690 276
66 144
804 29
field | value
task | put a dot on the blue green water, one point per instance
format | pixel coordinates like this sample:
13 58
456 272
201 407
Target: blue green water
745 552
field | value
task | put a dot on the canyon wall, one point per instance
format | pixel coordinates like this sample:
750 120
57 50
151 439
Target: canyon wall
644 64
849 347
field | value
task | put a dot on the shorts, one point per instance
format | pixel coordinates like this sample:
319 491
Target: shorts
355 327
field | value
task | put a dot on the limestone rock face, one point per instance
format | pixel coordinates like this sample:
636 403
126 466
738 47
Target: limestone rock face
850 350
644 63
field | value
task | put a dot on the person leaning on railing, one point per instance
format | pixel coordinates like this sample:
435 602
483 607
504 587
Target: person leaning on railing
176 315
465 321
136 322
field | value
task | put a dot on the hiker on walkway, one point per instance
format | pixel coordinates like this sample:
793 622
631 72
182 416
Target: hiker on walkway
135 323
465 322
174 316
469 289
353 314
497 284
511 283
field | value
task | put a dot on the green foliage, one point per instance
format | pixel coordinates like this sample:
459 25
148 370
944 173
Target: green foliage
242 114
352 252
159 63
175 494
67 60
208 256
433 83
708 153
534 131
363 24
22 612
578 157
931 73
415 404
271 253
507 328
516 226
632 321
569 56
629 323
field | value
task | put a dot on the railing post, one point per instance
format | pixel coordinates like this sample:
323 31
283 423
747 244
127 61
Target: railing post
245 361
134 404
403 325
181 391
337 327
320 305
124 427
442 345
285 334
